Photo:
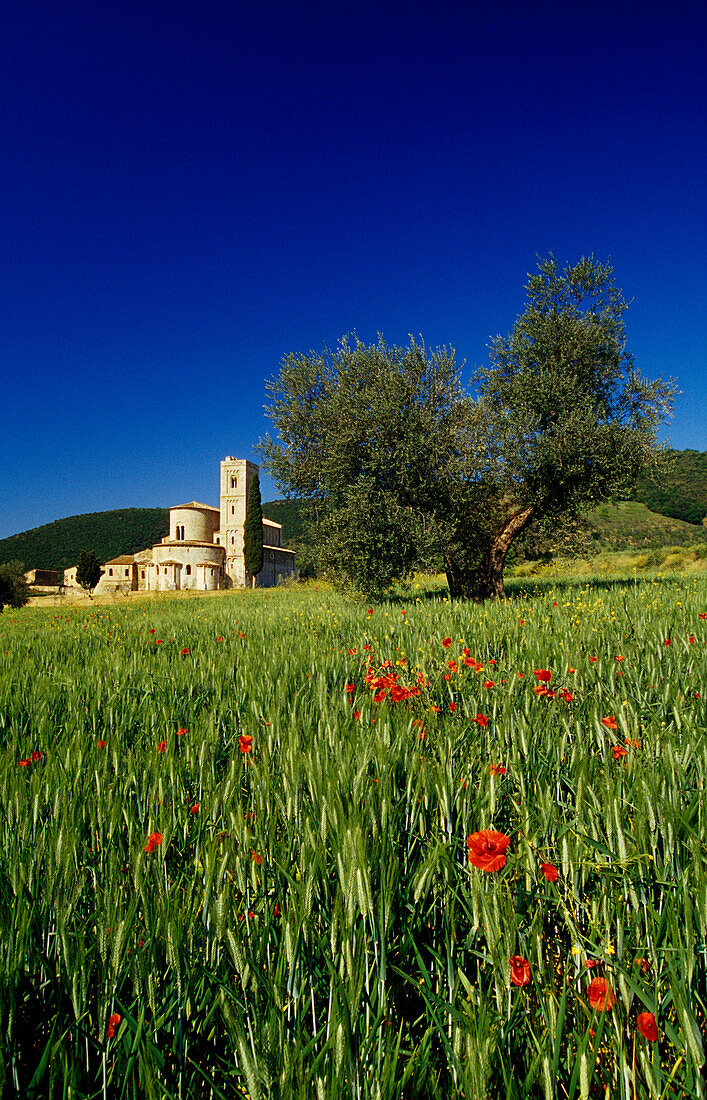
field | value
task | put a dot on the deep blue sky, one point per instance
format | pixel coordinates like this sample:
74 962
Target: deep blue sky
191 190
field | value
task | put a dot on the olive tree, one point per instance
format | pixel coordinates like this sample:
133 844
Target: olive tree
397 459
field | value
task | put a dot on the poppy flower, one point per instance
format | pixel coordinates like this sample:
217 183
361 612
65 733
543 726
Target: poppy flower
349 688
255 857
446 642
487 849
101 744
481 720
181 732
619 751
152 630
161 746
113 1023
703 614
543 674
610 722
245 742
185 651
667 641
153 841
497 769
550 871
489 683
195 808
646 1024
520 970
600 994
357 714
452 707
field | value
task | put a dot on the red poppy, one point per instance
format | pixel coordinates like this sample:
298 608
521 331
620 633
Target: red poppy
489 683
452 707
610 722
600 994
543 674
101 744
181 732
185 651
703 614
357 714
255 857
497 769
113 1023
161 746
153 841
646 1024
481 720
446 642
152 630
245 742
550 871
666 641
487 849
691 639
619 751
520 970
566 695
349 688
195 808
521 622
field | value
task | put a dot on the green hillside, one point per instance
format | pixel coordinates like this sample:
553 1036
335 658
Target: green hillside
629 523
680 489
57 545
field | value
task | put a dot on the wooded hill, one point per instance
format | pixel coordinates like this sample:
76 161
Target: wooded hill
680 494
124 531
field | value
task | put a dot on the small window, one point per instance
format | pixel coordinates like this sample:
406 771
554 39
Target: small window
165 570
234 482
127 572
110 572
188 570
233 540
142 575
233 510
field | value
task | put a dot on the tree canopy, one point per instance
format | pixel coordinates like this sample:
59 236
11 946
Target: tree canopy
14 591
253 528
399 460
89 570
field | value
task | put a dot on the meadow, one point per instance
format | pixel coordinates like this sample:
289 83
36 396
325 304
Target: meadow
284 845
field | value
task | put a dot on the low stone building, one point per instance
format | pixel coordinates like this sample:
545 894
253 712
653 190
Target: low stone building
204 547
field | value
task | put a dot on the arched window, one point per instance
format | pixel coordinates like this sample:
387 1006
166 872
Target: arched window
188 570
234 482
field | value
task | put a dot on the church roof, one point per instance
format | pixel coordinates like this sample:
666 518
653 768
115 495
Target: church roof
122 559
195 504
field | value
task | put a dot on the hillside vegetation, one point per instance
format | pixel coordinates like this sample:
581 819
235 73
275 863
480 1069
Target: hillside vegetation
58 545
680 490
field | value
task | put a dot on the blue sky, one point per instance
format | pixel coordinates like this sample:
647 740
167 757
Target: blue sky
193 190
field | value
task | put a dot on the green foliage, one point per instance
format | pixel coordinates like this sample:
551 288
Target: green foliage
253 528
57 545
14 591
398 462
89 570
310 924
679 488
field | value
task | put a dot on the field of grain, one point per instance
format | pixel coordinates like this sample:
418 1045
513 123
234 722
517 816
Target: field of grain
277 844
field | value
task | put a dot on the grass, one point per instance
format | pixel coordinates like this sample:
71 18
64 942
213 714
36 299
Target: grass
309 923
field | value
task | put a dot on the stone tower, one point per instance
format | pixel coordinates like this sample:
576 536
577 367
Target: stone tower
235 478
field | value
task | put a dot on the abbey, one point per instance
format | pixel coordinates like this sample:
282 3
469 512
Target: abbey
204 548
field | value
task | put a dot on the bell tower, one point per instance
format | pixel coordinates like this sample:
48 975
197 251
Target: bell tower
235 478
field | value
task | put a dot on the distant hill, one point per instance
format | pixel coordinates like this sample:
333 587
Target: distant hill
681 490
123 531
57 545
629 523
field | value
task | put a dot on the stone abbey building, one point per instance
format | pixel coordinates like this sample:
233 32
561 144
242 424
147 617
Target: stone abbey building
204 547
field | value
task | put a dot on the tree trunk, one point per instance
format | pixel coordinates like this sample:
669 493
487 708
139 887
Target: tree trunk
484 580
